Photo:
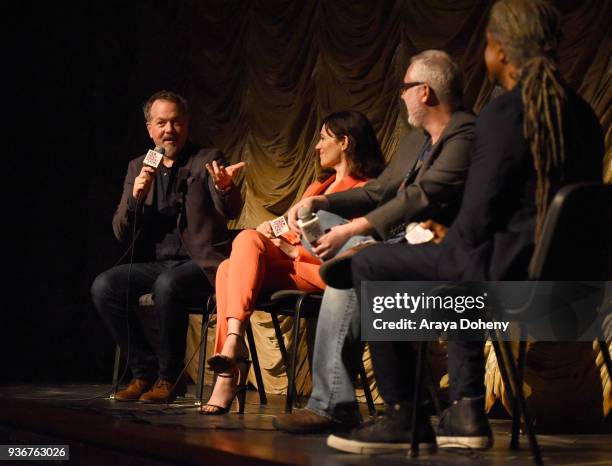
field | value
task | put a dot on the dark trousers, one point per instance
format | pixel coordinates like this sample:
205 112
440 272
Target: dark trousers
394 361
175 285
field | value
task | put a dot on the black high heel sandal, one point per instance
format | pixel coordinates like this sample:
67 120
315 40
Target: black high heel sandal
220 363
241 370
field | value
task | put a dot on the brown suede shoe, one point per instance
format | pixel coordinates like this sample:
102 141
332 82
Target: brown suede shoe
134 390
307 422
162 391
336 272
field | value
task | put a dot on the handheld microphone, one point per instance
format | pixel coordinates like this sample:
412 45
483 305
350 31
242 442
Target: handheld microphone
309 225
154 157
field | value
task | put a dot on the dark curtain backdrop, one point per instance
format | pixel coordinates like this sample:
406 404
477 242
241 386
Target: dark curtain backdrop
264 73
260 75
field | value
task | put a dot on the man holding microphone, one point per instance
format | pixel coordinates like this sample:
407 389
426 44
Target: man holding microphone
173 214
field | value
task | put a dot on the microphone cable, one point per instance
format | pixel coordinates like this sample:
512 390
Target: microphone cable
131 249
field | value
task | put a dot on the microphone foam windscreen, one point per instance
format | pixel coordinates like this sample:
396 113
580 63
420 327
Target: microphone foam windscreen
304 213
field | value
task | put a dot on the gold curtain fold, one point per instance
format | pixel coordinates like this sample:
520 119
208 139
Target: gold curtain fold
261 74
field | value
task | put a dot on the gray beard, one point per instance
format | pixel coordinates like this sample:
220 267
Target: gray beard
415 119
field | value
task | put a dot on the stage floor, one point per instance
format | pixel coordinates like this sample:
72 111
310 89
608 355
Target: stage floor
103 432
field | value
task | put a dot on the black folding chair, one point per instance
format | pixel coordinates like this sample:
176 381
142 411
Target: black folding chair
145 302
575 245
299 305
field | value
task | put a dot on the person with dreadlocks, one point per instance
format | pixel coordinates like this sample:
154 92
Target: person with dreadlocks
530 141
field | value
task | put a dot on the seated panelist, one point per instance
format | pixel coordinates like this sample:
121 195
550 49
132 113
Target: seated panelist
260 261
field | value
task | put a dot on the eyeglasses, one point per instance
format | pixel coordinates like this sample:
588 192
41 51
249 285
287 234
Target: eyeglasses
405 86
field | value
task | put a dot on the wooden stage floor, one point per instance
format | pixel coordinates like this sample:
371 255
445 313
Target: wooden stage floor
104 432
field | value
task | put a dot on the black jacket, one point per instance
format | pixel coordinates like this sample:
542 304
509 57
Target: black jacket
435 191
492 237
203 211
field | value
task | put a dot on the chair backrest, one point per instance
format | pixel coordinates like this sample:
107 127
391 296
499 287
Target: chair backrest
576 241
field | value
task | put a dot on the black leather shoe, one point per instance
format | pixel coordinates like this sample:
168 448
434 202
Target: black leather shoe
386 434
465 425
336 272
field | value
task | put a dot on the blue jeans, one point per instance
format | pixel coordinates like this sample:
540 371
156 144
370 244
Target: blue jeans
336 356
338 348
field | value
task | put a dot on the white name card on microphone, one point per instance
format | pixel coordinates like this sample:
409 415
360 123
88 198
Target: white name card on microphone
279 226
152 159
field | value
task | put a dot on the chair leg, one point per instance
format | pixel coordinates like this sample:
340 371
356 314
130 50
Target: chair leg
280 340
281 344
116 369
508 359
416 404
201 358
291 391
432 391
263 399
516 414
209 310
366 389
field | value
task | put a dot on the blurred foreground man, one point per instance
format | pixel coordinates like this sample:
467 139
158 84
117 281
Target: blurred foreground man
529 142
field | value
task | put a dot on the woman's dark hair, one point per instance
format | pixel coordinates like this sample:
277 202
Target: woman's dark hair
364 157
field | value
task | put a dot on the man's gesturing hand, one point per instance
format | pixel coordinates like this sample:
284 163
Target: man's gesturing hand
223 177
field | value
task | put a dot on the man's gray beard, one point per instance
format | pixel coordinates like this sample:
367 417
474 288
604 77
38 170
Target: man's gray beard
415 119
170 152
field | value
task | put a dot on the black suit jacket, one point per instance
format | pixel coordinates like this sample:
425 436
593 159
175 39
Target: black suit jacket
433 192
203 211
492 237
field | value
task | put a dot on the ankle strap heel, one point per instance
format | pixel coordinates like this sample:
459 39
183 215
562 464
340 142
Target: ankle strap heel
221 363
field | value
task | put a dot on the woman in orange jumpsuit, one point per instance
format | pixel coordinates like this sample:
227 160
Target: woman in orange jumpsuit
259 261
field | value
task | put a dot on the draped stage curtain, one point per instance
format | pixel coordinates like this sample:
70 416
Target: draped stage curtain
261 74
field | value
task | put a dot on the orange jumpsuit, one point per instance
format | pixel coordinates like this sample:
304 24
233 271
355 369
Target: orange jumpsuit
257 264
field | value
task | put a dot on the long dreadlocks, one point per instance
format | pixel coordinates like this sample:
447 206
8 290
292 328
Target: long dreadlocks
529 31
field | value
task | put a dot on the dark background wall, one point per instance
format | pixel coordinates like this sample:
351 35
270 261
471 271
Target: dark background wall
85 68
260 74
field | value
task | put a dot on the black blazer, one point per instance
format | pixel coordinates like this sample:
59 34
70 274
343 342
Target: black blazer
492 237
203 213
434 192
